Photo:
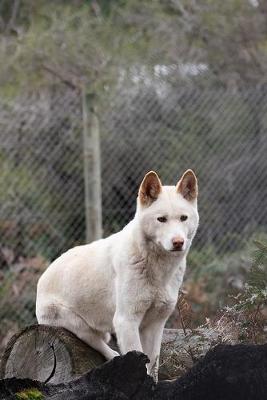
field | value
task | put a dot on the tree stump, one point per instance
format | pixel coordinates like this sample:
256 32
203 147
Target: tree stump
55 355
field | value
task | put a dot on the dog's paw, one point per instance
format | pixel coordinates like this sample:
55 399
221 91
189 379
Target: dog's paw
114 353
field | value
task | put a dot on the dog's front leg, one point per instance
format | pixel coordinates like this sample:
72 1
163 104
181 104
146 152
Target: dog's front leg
151 337
127 331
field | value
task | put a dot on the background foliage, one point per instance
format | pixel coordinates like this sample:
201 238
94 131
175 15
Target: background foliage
95 40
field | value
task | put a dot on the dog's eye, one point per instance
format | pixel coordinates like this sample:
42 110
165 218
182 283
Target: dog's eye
183 218
162 219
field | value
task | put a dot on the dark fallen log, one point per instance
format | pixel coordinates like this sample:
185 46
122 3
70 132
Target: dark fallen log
119 379
226 373
237 372
55 355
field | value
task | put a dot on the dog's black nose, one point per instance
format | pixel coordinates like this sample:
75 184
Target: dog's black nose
177 243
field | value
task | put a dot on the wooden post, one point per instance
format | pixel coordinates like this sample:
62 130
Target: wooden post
92 168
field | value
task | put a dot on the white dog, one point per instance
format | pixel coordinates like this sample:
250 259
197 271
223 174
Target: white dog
127 283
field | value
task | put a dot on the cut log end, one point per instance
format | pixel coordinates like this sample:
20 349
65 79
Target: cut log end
47 354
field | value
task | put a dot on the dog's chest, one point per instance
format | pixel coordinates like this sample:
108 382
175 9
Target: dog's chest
164 300
159 300
160 307
152 289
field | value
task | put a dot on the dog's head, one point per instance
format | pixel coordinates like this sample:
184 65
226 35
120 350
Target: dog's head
168 215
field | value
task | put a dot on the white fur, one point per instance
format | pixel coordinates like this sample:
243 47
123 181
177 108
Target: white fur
127 283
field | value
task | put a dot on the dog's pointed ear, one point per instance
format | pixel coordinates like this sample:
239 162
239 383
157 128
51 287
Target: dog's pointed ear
187 185
149 189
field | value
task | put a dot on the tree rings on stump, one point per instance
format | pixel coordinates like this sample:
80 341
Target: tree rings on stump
47 354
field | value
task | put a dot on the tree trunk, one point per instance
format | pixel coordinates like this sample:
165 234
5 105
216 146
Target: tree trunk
55 355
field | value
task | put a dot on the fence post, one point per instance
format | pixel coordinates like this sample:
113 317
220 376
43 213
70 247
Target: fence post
92 168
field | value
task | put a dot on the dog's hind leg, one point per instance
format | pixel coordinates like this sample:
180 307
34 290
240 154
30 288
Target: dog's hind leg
95 340
60 315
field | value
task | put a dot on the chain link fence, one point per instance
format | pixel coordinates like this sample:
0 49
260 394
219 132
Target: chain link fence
43 207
